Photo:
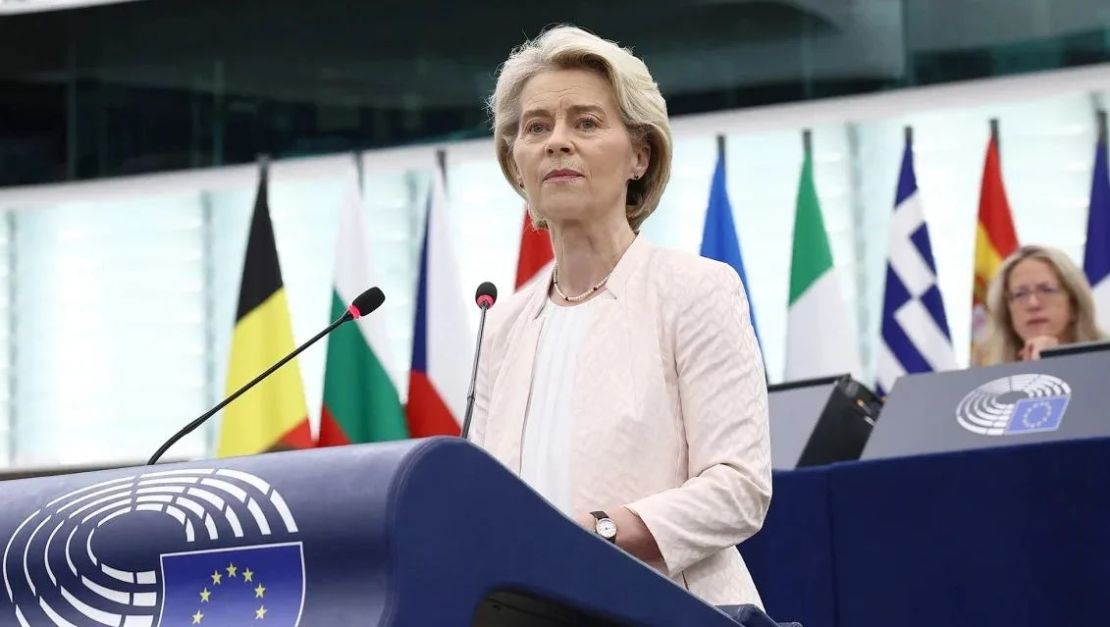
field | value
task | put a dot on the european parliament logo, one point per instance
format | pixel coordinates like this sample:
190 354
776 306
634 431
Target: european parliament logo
1015 405
179 547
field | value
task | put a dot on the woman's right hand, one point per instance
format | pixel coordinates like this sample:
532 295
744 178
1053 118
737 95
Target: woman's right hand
1034 346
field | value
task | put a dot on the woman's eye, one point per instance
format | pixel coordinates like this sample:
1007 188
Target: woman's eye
535 127
588 123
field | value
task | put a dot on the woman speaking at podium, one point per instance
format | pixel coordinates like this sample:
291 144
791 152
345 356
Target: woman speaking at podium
627 388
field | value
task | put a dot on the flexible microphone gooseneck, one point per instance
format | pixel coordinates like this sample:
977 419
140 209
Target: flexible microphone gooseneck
364 304
484 297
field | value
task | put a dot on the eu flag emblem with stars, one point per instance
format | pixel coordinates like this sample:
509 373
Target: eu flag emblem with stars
1034 415
254 585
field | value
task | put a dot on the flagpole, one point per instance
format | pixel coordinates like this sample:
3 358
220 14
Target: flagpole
807 141
441 164
359 172
721 148
909 136
995 137
1100 117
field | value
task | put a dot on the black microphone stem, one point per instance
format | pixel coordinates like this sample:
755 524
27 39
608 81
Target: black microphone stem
189 428
474 374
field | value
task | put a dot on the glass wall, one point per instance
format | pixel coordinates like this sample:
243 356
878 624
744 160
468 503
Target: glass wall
152 86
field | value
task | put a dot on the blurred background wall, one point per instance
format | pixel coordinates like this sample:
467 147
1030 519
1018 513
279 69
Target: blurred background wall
129 132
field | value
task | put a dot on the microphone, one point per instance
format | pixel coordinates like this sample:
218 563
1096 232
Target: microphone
484 297
364 304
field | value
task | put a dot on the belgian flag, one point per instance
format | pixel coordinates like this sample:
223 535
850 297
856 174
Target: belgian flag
272 415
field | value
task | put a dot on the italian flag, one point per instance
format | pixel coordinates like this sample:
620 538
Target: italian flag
361 403
820 340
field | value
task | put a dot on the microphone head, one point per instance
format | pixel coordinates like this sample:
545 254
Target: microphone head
486 295
366 302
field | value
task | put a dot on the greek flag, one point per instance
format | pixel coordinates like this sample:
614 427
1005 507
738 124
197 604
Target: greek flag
914 327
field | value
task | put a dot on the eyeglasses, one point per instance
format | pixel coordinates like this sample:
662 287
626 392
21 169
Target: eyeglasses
1042 290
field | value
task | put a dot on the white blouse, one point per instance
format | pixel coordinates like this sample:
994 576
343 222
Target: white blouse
546 451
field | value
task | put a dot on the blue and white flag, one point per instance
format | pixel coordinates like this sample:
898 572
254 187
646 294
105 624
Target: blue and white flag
1096 259
719 240
234 586
915 336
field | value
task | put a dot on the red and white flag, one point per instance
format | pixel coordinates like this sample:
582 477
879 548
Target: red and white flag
441 346
536 255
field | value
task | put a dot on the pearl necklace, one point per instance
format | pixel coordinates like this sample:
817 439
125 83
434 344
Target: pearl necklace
583 295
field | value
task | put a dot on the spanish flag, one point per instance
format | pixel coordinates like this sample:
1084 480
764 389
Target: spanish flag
995 238
272 415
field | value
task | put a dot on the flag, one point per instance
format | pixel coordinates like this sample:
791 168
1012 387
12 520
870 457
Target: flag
1096 258
273 414
994 236
718 238
915 335
535 253
820 341
442 343
233 586
361 403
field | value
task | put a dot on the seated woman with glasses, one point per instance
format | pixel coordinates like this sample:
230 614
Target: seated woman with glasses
1039 299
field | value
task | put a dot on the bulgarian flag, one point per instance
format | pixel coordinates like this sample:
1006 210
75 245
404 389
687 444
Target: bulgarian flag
535 253
820 340
361 403
272 415
995 238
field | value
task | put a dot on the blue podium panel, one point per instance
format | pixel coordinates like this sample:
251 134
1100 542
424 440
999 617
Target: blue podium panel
1063 398
791 560
1014 536
409 533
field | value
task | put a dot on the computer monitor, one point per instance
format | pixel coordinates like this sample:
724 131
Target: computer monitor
820 421
1076 348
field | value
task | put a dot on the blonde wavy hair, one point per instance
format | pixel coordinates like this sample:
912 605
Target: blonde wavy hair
643 110
1002 342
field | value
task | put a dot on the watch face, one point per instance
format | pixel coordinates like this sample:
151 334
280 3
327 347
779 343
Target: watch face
606 528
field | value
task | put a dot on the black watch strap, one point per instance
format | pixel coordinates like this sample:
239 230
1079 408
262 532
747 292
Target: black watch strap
599 516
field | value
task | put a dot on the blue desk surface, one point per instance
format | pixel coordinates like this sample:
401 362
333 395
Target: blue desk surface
1011 536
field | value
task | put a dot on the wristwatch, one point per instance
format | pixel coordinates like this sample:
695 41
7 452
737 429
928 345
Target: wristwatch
604 526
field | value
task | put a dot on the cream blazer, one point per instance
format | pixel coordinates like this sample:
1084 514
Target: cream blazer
670 410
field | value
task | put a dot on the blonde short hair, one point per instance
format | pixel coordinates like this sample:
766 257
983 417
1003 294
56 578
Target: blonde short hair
643 110
1002 342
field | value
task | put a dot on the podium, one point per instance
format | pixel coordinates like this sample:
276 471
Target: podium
1048 400
420 532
